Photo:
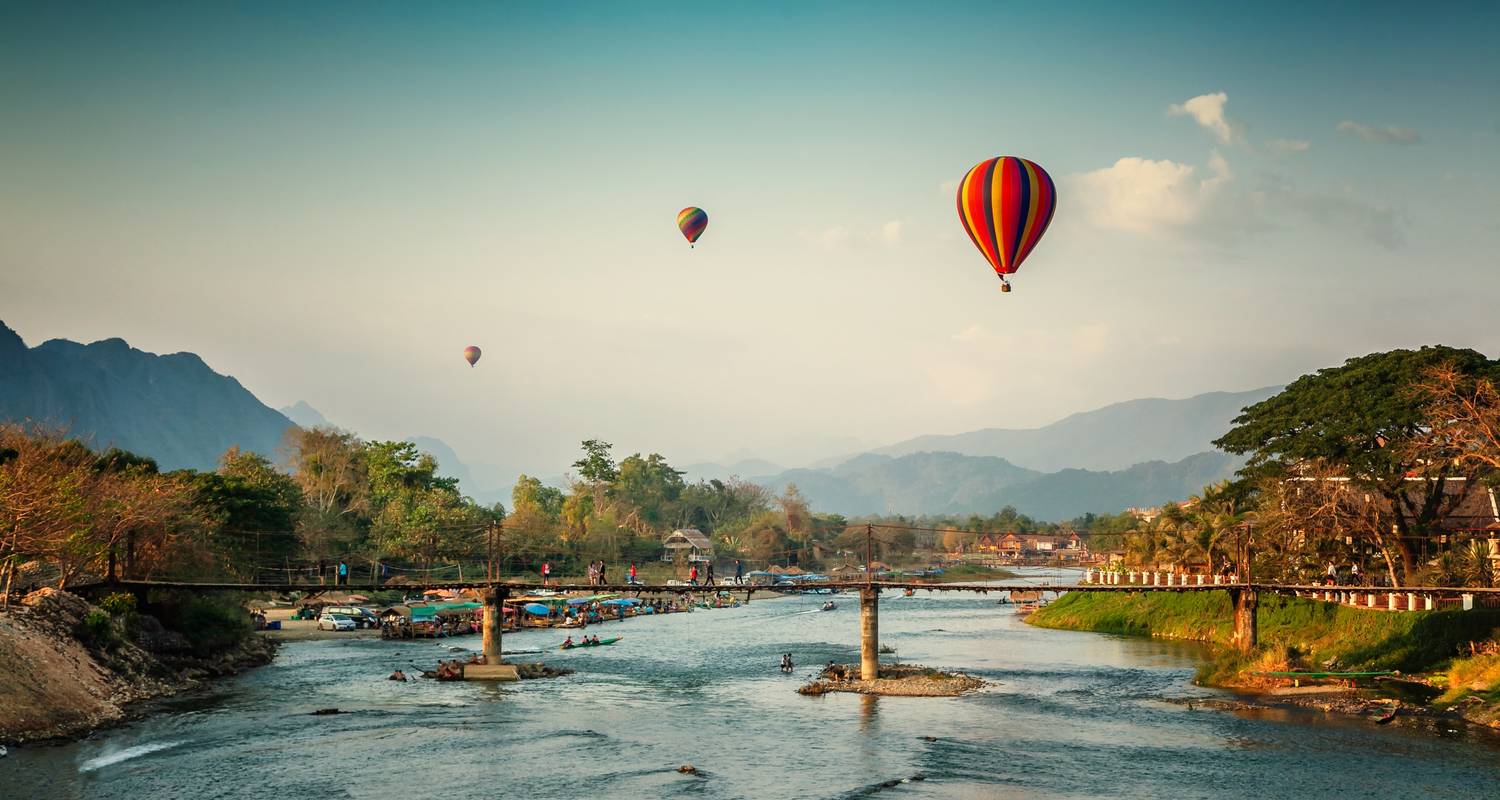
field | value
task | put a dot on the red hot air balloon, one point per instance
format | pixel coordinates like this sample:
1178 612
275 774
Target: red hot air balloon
471 355
1005 204
692 221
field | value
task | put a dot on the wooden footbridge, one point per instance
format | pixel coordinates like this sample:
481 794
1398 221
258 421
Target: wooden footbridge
1244 596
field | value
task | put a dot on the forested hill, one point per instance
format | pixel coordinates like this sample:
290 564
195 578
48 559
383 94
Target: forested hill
173 408
1114 437
953 483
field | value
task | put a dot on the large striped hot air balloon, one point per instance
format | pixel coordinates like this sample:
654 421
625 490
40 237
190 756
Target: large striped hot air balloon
1005 204
691 221
471 355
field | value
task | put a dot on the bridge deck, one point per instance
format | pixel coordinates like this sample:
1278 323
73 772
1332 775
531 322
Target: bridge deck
524 587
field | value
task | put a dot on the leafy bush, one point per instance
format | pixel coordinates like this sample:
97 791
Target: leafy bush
210 624
97 630
118 604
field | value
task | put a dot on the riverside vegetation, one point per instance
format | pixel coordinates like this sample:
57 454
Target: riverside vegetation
1430 647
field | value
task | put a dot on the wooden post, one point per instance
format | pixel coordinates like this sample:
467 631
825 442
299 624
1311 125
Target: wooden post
869 633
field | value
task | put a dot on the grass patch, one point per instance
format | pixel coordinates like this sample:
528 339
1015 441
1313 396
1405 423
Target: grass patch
1294 633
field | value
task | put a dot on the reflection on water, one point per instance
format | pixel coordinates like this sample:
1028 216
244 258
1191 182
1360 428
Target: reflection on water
1066 715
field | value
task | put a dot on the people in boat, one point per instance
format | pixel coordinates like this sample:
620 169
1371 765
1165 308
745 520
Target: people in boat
568 642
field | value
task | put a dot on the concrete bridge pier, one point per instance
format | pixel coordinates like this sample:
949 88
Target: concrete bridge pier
1245 603
494 621
869 633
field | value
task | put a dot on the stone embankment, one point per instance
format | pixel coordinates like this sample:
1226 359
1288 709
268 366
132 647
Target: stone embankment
65 677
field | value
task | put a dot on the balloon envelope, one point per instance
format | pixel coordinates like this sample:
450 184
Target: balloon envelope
471 354
692 221
1005 204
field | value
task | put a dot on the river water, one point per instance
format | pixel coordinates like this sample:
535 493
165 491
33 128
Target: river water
1068 715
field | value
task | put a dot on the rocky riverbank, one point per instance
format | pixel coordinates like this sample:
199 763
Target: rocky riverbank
71 668
896 680
1433 663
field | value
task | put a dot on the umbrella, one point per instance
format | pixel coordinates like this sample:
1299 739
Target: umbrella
537 608
622 601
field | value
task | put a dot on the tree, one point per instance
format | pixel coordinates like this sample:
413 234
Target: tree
1462 418
1361 419
596 467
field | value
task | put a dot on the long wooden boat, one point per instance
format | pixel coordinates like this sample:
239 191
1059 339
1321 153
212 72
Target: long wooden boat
600 643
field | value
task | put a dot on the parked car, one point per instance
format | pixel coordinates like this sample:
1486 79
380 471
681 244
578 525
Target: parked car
363 617
335 622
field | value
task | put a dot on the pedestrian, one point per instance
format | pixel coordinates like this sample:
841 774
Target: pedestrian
739 572
632 573
603 575
693 575
709 575
546 570
343 574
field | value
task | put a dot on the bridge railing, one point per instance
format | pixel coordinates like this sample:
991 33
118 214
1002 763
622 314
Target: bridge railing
1105 577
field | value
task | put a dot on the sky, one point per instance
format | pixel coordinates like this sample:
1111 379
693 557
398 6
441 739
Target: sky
329 201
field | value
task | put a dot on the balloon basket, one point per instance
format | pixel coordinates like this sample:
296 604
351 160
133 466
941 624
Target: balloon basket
1005 287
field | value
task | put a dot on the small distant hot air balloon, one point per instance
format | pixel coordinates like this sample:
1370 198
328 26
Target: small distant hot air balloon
691 221
1005 204
471 355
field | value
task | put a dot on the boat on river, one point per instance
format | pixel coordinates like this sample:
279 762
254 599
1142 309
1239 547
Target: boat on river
599 643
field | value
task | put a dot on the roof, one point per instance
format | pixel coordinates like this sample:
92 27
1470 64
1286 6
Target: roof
684 538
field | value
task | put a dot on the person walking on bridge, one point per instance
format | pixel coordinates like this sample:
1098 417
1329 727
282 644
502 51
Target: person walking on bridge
546 570
739 572
709 574
343 573
693 575
632 574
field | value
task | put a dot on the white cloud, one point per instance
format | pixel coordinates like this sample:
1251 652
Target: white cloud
1208 111
1287 147
835 236
890 232
1145 196
1380 134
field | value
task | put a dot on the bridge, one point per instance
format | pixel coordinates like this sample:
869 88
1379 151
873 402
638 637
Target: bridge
1243 595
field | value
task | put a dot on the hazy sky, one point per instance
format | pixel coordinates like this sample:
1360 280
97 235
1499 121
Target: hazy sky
330 200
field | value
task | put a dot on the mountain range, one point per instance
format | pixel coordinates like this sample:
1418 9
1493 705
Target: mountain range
173 408
1114 437
177 410
954 483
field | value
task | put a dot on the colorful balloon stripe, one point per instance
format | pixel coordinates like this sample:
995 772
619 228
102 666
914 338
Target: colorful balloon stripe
692 221
1005 205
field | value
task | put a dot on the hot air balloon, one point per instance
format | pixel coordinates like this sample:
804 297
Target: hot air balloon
691 221
1005 204
471 355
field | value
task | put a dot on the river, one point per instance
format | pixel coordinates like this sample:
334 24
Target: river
1068 715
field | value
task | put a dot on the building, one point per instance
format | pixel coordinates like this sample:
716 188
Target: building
689 545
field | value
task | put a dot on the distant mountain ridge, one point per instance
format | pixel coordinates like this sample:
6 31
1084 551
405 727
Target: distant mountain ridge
953 483
1114 437
173 408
